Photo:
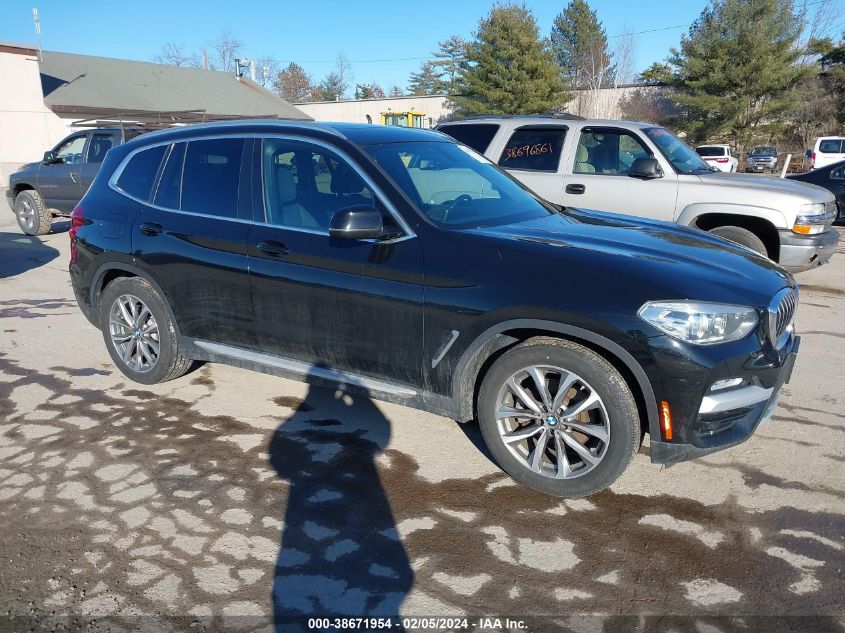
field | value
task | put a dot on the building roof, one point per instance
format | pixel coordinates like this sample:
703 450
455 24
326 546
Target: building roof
99 86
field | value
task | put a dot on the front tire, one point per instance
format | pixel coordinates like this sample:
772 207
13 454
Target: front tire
140 332
33 216
741 236
558 417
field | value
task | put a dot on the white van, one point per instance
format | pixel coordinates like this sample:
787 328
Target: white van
827 150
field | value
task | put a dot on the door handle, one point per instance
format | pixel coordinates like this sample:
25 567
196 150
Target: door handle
576 189
272 248
151 228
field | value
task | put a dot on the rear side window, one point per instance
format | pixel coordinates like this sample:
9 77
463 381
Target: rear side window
211 175
533 149
140 172
831 146
838 173
170 184
478 137
97 148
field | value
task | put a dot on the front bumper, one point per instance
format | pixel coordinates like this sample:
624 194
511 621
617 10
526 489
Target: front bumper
727 418
10 198
803 252
760 167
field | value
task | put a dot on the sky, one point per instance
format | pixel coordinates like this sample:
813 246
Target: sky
384 41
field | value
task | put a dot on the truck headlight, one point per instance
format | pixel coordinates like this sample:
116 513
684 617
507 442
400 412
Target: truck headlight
814 218
699 322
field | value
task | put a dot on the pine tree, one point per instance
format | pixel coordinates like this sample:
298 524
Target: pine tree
735 69
449 58
579 44
426 81
509 69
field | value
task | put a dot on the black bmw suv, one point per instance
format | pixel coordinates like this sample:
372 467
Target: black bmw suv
401 263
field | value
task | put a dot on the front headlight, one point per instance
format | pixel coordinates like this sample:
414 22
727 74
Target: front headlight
699 322
814 218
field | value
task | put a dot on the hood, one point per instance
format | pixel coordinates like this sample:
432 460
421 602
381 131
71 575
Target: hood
810 193
666 260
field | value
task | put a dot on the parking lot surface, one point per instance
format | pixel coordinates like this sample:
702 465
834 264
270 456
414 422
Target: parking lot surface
226 497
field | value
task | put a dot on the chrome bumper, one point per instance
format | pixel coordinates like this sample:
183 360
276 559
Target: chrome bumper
803 252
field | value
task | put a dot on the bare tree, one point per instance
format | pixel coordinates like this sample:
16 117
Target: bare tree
266 71
343 71
174 54
819 20
228 49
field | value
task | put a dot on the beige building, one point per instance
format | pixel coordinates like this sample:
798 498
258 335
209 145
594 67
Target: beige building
46 93
604 103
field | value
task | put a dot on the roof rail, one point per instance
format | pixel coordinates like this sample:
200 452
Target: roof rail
554 115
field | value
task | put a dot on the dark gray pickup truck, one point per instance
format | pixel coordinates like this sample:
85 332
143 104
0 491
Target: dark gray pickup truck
52 187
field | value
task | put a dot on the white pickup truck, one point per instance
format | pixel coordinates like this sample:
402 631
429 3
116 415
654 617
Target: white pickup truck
643 169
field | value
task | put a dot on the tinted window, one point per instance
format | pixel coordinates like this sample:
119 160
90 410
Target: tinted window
710 151
533 149
211 175
454 186
97 148
70 152
607 152
140 172
831 146
838 173
305 184
478 137
170 183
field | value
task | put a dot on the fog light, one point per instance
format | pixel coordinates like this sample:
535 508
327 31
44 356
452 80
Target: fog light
726 383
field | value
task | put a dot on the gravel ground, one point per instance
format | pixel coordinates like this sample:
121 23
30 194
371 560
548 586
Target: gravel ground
226 497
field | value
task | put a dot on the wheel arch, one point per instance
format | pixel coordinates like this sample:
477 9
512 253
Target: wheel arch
18 187
764 223
490 344
110 271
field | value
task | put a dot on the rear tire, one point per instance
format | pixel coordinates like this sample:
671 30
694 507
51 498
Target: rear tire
741 236
608 430
33 216
140 331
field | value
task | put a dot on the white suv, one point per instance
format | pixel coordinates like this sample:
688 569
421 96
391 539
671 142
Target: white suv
645 170
827 150
718 156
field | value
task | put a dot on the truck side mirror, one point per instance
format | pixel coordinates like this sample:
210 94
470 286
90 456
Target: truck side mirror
646 168
49 157
808 153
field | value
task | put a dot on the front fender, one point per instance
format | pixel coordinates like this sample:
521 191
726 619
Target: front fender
691 212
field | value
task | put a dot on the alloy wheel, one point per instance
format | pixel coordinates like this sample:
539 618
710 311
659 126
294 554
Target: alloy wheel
552 421
134 333
26 214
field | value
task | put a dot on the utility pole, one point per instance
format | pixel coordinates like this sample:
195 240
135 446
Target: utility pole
204 59
252 72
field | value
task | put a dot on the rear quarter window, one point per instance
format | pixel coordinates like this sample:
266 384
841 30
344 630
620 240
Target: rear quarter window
533 149
478 137
140 172
831 146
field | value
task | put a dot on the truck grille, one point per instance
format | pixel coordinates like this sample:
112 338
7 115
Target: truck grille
782 315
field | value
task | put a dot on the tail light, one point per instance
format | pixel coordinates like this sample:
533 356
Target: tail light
813 161
76 221
722 160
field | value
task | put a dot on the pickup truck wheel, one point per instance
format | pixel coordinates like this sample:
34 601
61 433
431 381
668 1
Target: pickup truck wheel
558 417
741 236
140 331
33 216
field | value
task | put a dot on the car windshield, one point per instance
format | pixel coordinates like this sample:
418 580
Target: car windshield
764 151
681 155
454 186
709 150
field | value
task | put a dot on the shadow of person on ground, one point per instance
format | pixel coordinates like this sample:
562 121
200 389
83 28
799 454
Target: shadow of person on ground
20 252
340 553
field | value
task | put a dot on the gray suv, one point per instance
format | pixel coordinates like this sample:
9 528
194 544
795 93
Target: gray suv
52 186
643 169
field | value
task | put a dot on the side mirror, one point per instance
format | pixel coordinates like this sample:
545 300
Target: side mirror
808 153
356 223
49 157
646 168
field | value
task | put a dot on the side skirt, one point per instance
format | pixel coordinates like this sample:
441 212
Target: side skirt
320 376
